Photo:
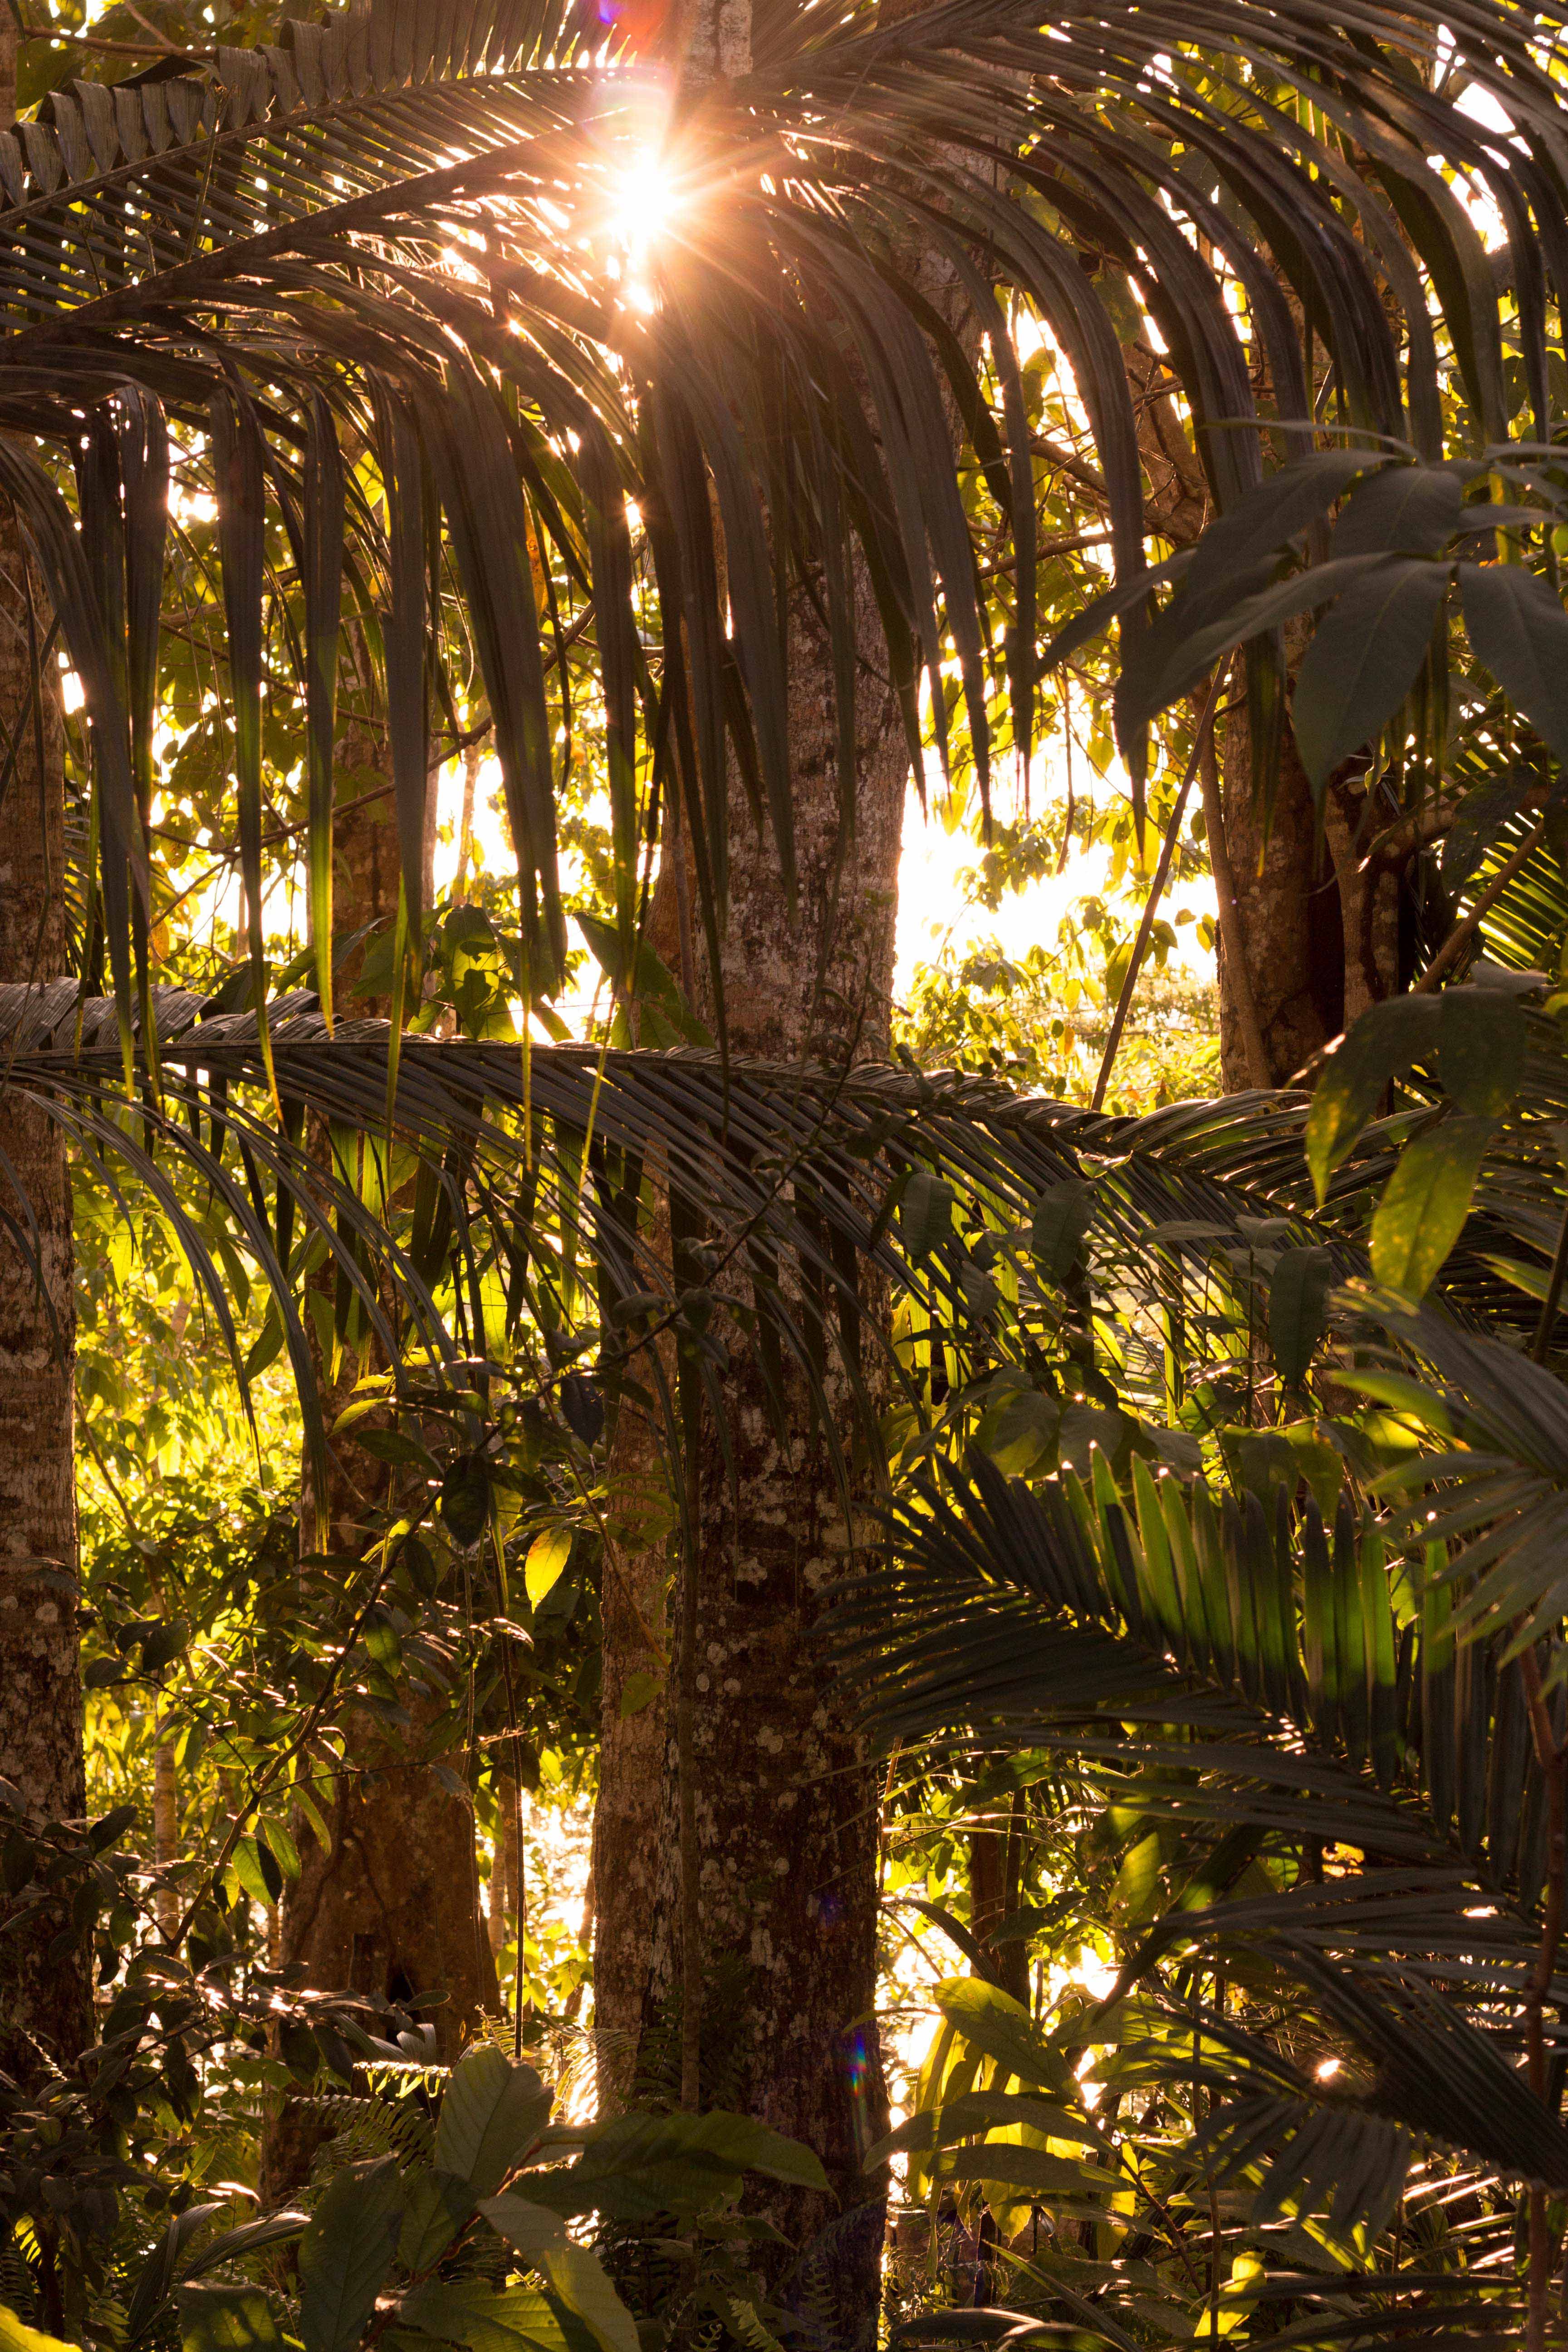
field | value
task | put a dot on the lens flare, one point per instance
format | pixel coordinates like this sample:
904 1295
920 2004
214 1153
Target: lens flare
644 200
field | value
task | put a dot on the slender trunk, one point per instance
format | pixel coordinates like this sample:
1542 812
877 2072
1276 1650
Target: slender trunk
45 1985
166 1823
996 1874
472 756
392 1908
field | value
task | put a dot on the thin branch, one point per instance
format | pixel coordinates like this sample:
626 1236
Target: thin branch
1167 851
1458 938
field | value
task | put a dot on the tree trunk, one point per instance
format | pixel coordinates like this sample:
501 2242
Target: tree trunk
996 1872
1308 940
785 1813
45 1982
392 1907
1320 938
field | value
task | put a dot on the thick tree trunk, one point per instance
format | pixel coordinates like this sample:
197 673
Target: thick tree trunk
45 1984
392 1908
785 1813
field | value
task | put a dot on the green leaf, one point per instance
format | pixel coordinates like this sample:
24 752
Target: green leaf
490 2116
483 2317
1425 1202
1273 512
1028 2168
1063 1216
925 1214
1299 1309
16 2336
255 1865
1384 1042
1402 511
1175 662
575 2276
546 1563
227 2319
993 2021
636 2165
528 2229
438 2205
345 2254
1518 629
1364 656
1482 1038
638 1690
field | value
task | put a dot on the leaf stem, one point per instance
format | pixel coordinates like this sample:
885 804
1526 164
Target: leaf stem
1167 851
1453 946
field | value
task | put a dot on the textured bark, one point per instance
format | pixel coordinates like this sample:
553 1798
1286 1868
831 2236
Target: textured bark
1288 909
1320 939
785 1805
995 1868
45 1986
392 1907
627 1858
1322 935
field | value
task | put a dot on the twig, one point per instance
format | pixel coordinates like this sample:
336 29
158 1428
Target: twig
1463 931
1167 851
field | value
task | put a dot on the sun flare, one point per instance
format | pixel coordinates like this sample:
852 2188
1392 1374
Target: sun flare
644 200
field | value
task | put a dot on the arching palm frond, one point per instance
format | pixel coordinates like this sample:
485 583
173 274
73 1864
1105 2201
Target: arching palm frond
1252 1692
394 227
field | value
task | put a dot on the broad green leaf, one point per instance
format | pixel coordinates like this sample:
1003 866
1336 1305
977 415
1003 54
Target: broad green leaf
1022 1431
637 2164
246 2238
575 2275
16 2336
1403 510
227 2319
1062 1219
1363 659
345 2255
1273 512
925 1214
547 1558
1087 1429
998 2025
1425 1202
930 2128
1299 1309
256 1866
1182 660
1384 1042
528 2229
438 2205
1518 629
490 2116
1029 2169
1482 1039
483 2317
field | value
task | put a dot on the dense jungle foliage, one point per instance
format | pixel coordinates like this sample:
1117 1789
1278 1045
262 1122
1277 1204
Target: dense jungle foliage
484 484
